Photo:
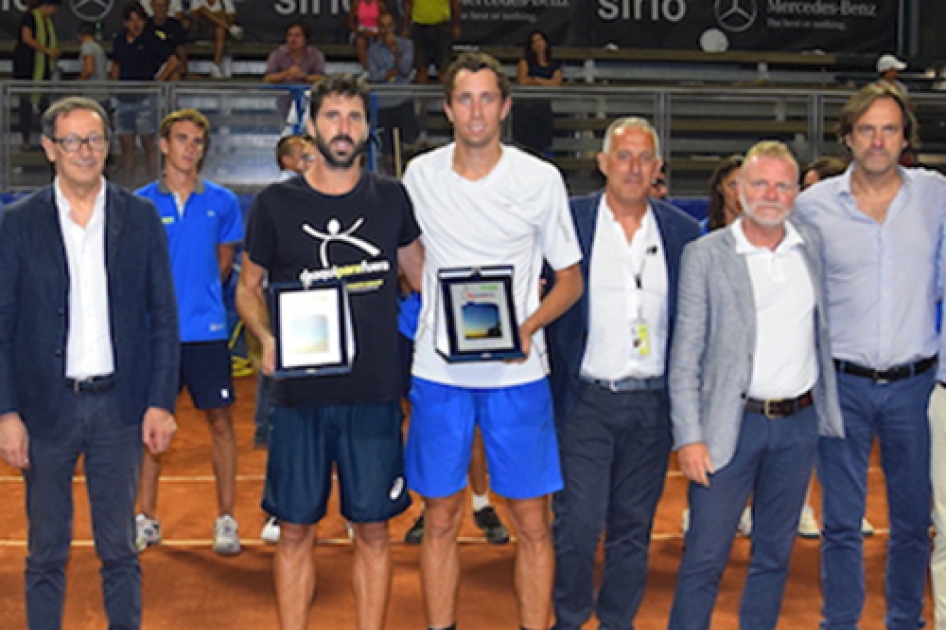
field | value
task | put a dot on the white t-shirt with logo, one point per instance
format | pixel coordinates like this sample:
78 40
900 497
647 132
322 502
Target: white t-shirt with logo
517 215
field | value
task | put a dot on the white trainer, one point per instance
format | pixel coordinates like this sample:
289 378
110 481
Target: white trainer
745 522
147 532
808 525
226 538
270 533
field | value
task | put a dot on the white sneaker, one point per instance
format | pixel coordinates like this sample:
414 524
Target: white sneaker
226 538
147 532
745 522
867 529
216 71
808 524
270 533
685 521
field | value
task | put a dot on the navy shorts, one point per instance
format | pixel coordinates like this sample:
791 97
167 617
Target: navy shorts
518 429
207 374
362 441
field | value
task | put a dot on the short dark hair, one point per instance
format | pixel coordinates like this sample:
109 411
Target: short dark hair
306 29
826 166
86 29
475 61
862 101
70 104
338 85
285 143
133 8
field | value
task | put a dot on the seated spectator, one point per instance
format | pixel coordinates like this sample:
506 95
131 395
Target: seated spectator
92 62
217 17
533 124
138 55
296 61
171 31
363 20
34 58
391 61
176 9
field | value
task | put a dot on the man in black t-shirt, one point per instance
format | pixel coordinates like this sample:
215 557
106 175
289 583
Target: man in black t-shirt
171 32
138 55
335 222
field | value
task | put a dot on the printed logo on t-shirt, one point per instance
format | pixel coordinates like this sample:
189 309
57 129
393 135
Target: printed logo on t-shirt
333 236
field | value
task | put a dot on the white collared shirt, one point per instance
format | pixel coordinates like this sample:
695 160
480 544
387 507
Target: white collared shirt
784 362
89 344
616 304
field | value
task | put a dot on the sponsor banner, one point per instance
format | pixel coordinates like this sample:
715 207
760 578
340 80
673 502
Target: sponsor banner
865 26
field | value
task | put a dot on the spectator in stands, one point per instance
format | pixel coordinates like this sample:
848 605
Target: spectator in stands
295 154
296 61
219 18
92 61
889 69
34 58
363 21
138 55
433 25
391 61
533 124
170 30
204 223
658 187
724 205
822 168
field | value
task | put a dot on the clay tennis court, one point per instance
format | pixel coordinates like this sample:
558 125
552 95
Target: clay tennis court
188 586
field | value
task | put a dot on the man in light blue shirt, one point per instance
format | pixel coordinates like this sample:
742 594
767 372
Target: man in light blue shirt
881 227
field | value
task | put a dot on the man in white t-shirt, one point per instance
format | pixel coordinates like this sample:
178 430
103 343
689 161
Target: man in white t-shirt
480 203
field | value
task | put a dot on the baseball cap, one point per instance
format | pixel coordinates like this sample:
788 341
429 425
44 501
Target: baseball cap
889 62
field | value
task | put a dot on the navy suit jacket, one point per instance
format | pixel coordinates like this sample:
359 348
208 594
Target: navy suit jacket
568 335
34 309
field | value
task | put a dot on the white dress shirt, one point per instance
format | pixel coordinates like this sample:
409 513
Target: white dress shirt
89 343
785 360
617 303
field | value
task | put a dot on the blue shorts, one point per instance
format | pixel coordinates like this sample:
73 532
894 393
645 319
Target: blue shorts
518 430
136 118
362 441
207 374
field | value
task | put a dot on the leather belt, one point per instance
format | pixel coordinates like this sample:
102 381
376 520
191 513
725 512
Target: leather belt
779 408
628 384
91 384
888 375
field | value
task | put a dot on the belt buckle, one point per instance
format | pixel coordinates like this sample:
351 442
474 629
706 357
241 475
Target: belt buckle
767 409
612 386
880 378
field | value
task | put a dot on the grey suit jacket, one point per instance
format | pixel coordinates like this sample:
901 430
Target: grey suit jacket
714 341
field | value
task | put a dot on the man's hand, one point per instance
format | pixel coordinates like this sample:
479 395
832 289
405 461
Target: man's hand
269 355
157 429
695 463
14 441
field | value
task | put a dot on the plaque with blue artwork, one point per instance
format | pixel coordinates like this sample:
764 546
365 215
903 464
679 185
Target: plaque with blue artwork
312 327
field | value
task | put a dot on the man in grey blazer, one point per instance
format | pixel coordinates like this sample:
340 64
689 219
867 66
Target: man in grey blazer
88 359
751 388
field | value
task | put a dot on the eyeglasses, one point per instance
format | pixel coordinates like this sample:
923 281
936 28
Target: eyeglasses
72 143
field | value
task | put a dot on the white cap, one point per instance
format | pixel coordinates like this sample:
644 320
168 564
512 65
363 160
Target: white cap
889 62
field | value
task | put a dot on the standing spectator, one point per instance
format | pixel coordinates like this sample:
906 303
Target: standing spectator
533 124
92 60
34 58
889 69
433 25
391 61
138 55
218 17
881 226
363 21
724 204
88 360
170 31
751 388
204 224
609 355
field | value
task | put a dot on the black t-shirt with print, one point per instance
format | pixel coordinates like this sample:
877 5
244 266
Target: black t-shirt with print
296 230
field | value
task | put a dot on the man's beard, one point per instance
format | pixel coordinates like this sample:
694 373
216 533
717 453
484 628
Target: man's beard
332 159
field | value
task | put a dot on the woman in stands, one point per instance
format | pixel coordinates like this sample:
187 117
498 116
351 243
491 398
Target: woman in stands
724 206
533 124
363 17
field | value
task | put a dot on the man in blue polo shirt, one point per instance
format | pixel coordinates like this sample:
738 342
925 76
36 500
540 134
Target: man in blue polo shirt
204 224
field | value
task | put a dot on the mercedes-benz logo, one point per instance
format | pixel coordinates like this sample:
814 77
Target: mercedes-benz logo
91 10
736 15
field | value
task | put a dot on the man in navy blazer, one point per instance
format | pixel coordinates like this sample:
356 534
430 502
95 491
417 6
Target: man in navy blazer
88 359
609 357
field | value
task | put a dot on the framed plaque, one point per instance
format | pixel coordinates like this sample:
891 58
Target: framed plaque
477 318
313 329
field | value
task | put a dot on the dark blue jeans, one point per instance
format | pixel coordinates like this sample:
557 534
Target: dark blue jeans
615 448
773 462
896 413
111 451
